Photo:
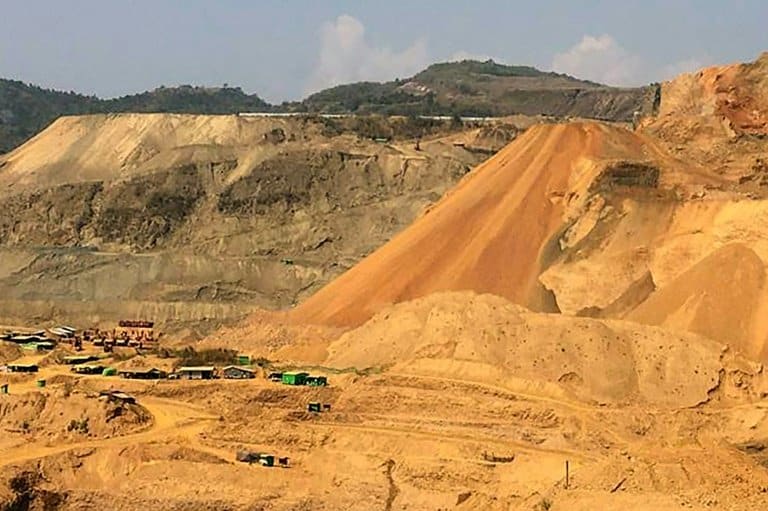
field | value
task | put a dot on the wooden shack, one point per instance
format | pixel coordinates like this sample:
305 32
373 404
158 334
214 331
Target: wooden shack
79 359
142 374
238 373
196 372
22 368
88 369
117 396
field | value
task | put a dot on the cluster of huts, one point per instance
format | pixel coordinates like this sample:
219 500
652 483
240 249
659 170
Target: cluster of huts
130 333
231 372
40 340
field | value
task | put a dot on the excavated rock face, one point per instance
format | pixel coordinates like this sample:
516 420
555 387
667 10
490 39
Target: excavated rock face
127 212
717 117
628 174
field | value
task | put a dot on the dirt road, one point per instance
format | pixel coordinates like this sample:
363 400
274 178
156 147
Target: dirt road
171 419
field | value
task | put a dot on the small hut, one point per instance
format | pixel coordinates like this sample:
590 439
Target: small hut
196 372
238 373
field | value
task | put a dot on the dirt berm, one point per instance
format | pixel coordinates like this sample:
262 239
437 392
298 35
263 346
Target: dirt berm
486 338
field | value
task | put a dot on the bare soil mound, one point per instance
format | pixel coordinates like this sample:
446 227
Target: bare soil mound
9 351
273 335
61 416
496 230
483 336
719 297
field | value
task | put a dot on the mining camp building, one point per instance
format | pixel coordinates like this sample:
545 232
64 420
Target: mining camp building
142 374
117 396
22 368
79 359
88 369
238 373
196 373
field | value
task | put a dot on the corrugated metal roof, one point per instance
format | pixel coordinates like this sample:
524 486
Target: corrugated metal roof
192 369
240 368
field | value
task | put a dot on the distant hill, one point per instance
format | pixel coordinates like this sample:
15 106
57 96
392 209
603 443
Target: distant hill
467 88
187 99
472 88
26 109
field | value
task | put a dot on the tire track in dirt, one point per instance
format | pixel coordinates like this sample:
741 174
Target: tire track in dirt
520 446
170 418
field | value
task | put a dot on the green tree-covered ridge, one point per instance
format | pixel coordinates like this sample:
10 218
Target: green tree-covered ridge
467 88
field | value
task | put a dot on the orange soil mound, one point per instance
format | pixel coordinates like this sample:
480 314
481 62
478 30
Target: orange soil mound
718 297
489 234
485 337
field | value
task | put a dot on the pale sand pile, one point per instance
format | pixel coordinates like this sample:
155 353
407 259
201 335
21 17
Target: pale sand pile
116 146
719 297
486 337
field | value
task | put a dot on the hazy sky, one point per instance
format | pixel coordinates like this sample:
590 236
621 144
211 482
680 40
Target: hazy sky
282 49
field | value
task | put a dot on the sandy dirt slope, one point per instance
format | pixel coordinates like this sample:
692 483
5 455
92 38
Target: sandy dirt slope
115 146
395 440
485 337
589 219
491 233
718 297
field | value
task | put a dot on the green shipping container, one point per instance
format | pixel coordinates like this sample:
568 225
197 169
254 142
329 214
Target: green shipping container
41 383
294 378
109 371
4 388
243 360
313 407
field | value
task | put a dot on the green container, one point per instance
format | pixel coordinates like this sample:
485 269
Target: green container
294 378
243 360
267 460
109 371
41 383
4 388
313 407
